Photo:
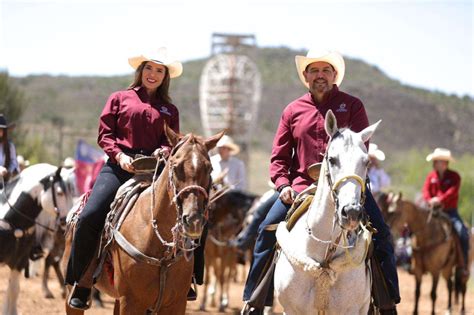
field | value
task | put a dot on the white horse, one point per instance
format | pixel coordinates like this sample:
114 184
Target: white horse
321 267
39 188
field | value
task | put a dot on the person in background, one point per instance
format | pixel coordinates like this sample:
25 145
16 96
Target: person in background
225 162
8 160
246 238
379 179
441 190
22 163
132 122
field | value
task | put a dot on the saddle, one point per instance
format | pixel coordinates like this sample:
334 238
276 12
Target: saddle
125 199
298 208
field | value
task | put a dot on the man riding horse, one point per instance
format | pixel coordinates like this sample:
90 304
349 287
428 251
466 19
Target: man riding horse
301 141
441 190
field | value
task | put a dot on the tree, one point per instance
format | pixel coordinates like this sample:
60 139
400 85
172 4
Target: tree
12 101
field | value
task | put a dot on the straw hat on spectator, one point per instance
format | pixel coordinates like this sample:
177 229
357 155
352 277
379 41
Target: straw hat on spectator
22 162
69 162
376 152
440 154
227 142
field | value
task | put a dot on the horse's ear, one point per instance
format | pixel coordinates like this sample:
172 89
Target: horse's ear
212 141
330 124
173 137
369 131
390 197
58 172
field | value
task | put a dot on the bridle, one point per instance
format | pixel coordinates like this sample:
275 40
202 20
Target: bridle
334 186
180 238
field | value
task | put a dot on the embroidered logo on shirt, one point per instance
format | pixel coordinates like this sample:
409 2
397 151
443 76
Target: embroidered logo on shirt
342 108
164 110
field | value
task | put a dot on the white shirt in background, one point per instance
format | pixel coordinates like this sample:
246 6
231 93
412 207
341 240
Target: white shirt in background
235 177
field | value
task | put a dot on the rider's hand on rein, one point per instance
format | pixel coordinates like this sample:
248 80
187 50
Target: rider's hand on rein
161 153
125 162
287 195
3 171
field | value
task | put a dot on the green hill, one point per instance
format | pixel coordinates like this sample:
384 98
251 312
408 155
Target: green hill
414 119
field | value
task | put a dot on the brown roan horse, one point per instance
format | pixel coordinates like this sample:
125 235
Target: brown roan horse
434 247
163 226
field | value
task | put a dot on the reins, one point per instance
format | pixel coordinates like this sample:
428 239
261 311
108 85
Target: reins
333 245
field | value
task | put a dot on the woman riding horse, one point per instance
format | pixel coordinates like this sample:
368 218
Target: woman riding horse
132 122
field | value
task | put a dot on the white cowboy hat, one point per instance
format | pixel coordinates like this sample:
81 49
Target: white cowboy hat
21 161
332 57
69 162
227 142
376 152
440 154
160 57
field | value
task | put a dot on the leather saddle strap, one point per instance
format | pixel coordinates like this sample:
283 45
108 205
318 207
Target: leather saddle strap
133 252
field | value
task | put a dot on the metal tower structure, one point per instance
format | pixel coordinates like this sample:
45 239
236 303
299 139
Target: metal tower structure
230 88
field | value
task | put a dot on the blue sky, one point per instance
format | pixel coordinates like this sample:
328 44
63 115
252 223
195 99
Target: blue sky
422 43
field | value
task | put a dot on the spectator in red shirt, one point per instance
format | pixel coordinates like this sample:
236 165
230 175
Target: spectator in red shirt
441 190
131 123
301 141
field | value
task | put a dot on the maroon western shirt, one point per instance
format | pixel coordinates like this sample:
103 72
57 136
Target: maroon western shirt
132 122
301 138
445 188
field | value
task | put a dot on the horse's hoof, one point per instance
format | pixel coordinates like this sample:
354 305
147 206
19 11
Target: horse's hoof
202 307
225 303
222 309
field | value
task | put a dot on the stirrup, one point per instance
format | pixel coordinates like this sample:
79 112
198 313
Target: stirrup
249 310
73 290
193 292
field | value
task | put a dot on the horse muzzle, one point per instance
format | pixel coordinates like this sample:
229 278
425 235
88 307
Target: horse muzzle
351 215
193 225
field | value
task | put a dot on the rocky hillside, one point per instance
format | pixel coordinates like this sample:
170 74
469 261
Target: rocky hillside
412 117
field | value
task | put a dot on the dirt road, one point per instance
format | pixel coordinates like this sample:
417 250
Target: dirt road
31 301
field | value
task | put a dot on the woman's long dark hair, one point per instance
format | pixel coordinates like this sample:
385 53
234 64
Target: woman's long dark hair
6 148
162 92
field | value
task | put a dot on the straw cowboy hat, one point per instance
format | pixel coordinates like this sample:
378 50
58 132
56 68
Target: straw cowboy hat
376 152
160 57
69 162
4 124
440 154
21 161
227 142
332 57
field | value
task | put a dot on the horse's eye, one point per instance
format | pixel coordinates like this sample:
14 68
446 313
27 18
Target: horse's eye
333 161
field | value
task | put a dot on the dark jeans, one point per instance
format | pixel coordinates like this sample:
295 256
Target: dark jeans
92 219
266 240
247 236
461 231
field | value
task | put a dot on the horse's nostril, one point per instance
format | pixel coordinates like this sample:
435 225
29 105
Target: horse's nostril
343 211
